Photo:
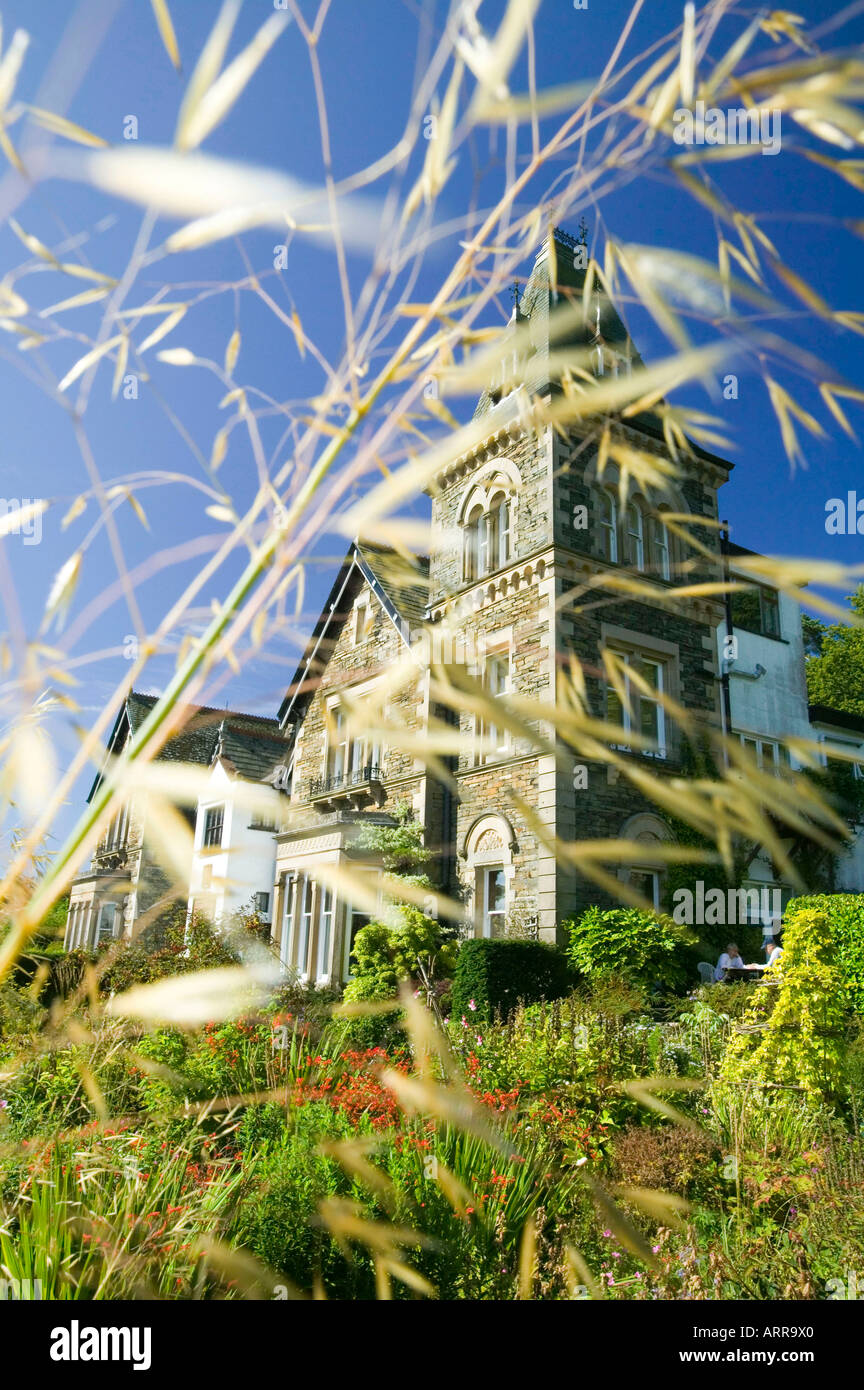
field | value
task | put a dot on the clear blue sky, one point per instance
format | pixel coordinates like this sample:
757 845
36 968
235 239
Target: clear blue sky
369 60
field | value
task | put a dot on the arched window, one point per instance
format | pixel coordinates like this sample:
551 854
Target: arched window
661 548
499 532
635 536
609 526
473 527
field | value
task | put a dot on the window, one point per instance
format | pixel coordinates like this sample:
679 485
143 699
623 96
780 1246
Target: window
634 537
290 887
213 821
262 904
499 533
487 537
660 547
325 931
351 758
362 619
115 835
496 682
609 526
472 544
305 889
105 923
494 902
757 610
646 882
768 754
645 713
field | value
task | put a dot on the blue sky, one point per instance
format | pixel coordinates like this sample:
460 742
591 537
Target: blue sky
369 58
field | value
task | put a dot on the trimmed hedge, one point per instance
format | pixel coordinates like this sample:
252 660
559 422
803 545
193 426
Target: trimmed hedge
497 975
845 912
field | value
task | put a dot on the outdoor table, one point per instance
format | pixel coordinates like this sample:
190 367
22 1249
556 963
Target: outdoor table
743 972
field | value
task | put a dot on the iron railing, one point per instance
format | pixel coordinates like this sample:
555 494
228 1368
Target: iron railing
344 781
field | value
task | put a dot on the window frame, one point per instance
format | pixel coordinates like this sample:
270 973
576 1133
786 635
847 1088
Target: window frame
609 525
489 917
210 811
484 728
634 546
630 711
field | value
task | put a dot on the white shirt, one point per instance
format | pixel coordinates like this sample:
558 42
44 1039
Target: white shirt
727 962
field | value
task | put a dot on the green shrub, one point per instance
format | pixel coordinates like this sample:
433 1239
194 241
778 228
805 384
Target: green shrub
800 1040
845 912
493 976
640 947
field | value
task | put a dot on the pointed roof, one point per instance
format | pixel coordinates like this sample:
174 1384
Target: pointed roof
556 281
194 743
399 581
250 754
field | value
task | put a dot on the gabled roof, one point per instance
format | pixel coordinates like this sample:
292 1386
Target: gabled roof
400 583
250 755
194 743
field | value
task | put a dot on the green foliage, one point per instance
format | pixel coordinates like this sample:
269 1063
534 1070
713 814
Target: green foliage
399 848
792 1034
845 912
493 976
836 676
186 946
641 947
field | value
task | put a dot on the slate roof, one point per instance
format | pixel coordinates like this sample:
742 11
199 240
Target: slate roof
401 582
404 580
196 742
250 755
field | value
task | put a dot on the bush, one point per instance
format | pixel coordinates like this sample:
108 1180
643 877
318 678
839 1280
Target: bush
845 911
493 976
800 1041
640 947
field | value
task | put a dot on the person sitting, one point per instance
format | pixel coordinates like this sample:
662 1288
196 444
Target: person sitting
773 950
729 960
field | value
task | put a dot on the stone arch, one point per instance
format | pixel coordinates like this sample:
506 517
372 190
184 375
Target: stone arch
488 859
499 475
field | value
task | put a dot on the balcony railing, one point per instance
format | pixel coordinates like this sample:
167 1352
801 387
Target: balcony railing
338 782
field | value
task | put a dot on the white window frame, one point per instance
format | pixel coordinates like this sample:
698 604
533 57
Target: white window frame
484 729
635 538
635 695
487 913
110 911
662 547
208 812
609 524
362 619
326 921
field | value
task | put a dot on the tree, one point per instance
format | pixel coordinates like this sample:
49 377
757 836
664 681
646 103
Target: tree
835 676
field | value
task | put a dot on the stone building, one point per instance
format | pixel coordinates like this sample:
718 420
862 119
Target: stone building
521 524
549 544
124 886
